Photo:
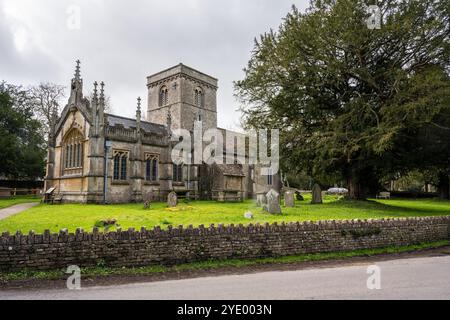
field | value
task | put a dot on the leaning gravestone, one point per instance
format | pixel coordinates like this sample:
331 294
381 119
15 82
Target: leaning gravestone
273 202
172 200
316 194
289 199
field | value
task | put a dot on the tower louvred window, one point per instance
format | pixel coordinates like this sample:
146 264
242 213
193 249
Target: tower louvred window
163 96
199 98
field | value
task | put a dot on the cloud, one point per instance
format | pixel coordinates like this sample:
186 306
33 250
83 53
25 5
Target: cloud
122 42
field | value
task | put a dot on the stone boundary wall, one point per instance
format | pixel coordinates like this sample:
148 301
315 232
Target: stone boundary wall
179 245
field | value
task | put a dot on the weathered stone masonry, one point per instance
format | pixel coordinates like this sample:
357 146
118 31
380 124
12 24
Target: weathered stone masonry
178 245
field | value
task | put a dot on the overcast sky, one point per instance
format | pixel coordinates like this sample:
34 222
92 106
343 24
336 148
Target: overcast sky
122 42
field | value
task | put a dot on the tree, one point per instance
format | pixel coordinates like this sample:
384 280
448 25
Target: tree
338 91
21 142
46 99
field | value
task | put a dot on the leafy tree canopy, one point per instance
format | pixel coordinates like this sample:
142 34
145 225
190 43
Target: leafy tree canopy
351 101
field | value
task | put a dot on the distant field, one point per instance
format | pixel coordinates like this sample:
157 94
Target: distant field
71 216
4 203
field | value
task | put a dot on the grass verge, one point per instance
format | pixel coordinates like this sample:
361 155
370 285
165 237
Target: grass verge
100 271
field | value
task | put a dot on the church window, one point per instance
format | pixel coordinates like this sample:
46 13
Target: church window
178 172
151 167
163 96
116 167
73 152
120 165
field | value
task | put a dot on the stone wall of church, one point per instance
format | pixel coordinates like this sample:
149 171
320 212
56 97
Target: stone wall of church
120 191
190 112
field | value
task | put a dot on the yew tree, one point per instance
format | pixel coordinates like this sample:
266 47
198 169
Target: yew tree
349 100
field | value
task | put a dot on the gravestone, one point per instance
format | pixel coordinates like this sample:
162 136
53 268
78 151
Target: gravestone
289 199
172 200
273 202
316 194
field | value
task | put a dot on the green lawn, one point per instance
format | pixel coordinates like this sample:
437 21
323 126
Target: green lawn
71 216
4 203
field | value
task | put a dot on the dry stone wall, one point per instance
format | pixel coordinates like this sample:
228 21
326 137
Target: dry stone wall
178 245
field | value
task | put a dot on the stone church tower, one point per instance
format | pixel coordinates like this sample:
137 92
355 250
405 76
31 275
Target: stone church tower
189 95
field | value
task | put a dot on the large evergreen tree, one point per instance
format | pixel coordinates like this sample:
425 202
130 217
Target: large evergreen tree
350 100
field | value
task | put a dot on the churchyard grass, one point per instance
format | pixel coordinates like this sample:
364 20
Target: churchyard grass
5 203
72 216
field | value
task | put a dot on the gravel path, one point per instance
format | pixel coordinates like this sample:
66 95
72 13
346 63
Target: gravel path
18 208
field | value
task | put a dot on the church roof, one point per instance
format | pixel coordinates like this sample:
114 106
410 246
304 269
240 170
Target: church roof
149 127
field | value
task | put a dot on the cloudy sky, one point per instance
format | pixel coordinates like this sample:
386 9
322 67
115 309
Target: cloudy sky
122 42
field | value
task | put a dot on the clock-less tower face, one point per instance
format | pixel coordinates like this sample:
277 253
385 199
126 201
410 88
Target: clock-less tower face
189 95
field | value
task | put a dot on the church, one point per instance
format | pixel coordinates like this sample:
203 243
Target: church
97 157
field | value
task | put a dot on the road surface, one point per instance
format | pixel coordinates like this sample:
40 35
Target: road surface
417 278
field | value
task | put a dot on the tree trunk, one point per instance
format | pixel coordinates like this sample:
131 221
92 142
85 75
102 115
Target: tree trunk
444 186
355 189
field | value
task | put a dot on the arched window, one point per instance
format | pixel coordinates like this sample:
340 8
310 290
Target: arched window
151 167
177 172
120 165
73 152
163 96
199 98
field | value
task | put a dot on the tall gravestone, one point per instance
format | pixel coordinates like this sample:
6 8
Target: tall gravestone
172 200
289 199
316 194
273 202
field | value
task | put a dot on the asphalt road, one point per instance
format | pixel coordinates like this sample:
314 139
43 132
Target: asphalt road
417 278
